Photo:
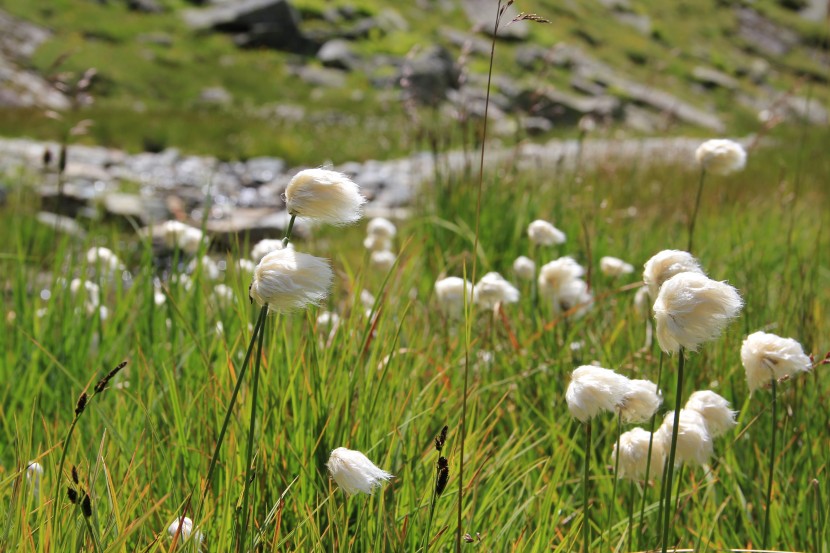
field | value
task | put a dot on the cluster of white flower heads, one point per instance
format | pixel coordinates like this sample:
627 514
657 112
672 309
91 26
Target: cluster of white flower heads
694 443
561 284
493 290
692 309
766 357
380 234
325 196
178 235
614 267
542 233
354 472
721 156
593 390
266 246
634 456
451 292
718 417
664 265
287 280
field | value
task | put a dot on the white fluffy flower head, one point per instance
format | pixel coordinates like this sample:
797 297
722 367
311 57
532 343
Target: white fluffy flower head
634 455
573 298
525 268
492 289
354 472
323 195
593 390
664 265
614 267
103 259
266 246
641 401
721 156
176 234
450 292
383 261
184 528
717 415
382 227
377 243
694 443
543 233
556 274
287 280
767 356
692 309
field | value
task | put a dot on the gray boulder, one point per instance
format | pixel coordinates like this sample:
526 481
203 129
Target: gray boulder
565 108
428 76
338 53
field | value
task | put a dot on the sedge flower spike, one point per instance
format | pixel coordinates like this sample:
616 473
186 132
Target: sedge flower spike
323 195
543 233
492 289
614 267
766 356
692 309
593 390
450 292
717 415
354 472
287 280
694 443
634 455
525 268
664 265
721 156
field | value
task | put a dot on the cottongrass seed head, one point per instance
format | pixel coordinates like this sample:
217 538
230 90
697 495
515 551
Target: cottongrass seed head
593 390
543 233
692 309
383 260
614 267
354 472
634 455
721 156
381 227
450 292
104 259
717 415
325 196
766 356
176 234
664 265
492 290
641 401
266 246
288 280
525 268
184 528
694 443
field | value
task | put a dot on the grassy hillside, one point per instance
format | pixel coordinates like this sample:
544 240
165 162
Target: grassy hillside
152 70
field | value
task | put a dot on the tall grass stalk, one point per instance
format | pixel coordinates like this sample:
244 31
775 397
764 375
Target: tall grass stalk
770 476
693 219
667 511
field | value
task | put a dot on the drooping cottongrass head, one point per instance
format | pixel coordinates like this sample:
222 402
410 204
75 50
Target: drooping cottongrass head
664 265
593 390
208 267
614 267
694 443
354 472
325 196
266 246
766 356
104 259
492 290
557 273
450 292
184 528
525 268
176 234
717 415
375 243
543 233
691 309
634 455
383 260
641 300
381 227
286 280
640 402
721 156
34 472
573 297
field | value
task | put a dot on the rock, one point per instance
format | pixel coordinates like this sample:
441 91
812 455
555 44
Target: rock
390 20
565 108
125 206
466 41
764 35
322 76
482 16
426 77
215 95
711 78
815 10
534 126
253 223
145 6
529 56
62 224
640 22
338 53
641 120
807 109
261 170
269 23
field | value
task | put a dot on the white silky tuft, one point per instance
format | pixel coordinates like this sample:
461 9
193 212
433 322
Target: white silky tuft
614 267
694 443
664 265
450 292
325 196
593 390
721 156
492 290
766 356
634 455
287 280
354 472
543 233
717 415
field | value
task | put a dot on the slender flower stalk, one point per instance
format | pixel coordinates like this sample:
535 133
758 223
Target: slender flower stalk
672 450
770 476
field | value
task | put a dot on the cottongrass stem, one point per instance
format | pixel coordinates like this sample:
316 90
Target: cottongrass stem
586 516
681 356
768 502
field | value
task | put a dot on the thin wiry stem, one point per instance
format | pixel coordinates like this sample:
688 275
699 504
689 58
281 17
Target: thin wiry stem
765 540
586 519
467 325
673 450
697 207
650 449
616 480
